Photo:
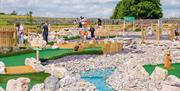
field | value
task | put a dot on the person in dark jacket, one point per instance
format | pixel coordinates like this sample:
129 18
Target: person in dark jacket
99 22
45 32
92 30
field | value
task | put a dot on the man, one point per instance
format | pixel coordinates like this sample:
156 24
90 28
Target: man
176 30
45 32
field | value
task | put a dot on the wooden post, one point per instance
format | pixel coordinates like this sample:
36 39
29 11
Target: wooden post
157 34
172 34
37 54
124 26
142 35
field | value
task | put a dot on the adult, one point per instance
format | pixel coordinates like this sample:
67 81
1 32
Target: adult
80 22
92 30
45 31
176 30
99 22
20 31
85 27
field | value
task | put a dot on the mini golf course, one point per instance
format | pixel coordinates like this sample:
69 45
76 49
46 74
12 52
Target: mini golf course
45 55
176 71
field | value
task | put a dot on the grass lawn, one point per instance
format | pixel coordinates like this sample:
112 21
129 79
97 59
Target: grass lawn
176 71
35 78
49 54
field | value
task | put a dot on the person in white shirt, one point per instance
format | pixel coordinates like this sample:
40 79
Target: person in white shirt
20 30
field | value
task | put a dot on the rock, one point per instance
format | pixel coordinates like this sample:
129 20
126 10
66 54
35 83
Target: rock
169 88
37 66
38 87
172 80
60 89
55 46
21 84
57 71
67 80
1 89
159 74
31 61
2 67
51 83
139 72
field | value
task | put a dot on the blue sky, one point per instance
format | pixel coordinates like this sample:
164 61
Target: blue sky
76 8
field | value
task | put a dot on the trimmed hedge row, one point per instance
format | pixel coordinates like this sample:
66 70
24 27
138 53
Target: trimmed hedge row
17 53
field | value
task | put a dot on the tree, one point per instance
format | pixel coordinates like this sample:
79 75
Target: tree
30 16
14 13
145 9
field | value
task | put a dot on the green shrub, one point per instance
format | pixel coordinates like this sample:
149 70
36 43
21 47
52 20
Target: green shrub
137 30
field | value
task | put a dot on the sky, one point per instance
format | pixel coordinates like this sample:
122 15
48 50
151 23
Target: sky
76 8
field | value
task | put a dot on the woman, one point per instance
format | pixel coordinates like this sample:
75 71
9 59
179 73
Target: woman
20 30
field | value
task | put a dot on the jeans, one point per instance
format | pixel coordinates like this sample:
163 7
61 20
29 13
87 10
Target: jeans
45 37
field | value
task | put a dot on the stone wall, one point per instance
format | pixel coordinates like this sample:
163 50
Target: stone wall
40 20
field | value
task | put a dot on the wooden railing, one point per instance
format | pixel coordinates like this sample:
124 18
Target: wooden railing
8 37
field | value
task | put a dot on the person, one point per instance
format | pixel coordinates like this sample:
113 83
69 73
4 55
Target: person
20 30
92 30
176 30
80 22
45 32
99 22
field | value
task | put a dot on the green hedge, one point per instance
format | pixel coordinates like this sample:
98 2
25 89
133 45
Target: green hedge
17 53
137 30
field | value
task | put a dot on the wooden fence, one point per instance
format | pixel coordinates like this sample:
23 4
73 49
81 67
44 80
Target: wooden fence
8 37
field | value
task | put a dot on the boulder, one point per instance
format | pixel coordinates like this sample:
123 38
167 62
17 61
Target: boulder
38 87
57 71
31 61
37 66
172 80
169 88
1 89
60 89
67 80
2 67
21 84
51 83
55 46
139 72
159 74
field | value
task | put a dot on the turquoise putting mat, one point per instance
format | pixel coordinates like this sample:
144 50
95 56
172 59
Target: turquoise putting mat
18 60
176 71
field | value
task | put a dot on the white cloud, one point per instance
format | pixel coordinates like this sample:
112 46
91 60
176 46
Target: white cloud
171 8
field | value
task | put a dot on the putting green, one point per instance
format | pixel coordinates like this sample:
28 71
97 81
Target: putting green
176 71
18 60
35 78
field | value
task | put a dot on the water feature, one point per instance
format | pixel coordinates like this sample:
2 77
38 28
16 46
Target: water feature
98 78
